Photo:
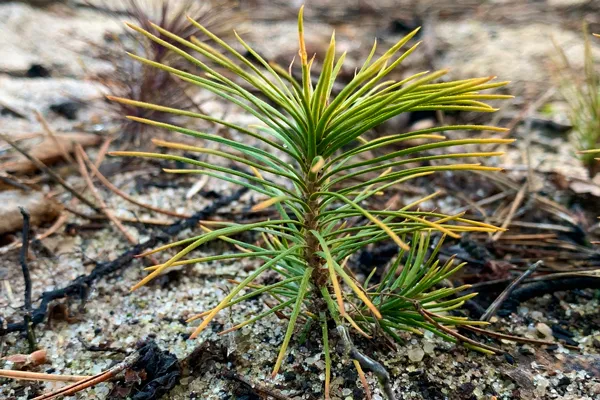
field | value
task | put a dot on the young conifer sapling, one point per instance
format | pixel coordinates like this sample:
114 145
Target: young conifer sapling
309 160
582 94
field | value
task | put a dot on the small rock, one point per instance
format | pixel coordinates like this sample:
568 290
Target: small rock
289 376
544 330
509 359
416 354
428 347
537 315
526 350
541 384
522 311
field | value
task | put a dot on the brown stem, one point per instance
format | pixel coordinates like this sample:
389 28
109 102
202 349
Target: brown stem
90 381
37 376
312 244
320 278
506 293
428 316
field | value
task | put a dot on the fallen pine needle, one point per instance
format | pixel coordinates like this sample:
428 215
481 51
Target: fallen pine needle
363 379
38 376
79 154
120 193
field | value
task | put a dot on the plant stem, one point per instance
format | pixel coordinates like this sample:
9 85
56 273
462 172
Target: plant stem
311 222
321 278
365 362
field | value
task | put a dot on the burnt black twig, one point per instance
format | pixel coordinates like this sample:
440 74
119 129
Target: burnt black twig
491 310
27 325
162 372
4 177
474 308
542 287
23 258
79 284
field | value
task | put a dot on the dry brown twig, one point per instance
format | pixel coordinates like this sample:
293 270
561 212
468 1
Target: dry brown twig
512 338
67 157
96 172
264 390
511 212
90 381
363 379
552 207
527 112
53 175
460 338
103 207
506 292
38 376
102 151
60 221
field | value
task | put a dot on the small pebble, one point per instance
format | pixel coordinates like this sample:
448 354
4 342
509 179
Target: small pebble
416 354
544 330
537 315
428 347
526 350
522 311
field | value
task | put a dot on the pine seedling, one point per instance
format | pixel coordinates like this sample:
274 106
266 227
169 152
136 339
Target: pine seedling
583 99
591 152
309 160
142 82
176 18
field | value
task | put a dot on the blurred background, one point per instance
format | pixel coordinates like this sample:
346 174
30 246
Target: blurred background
55 55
